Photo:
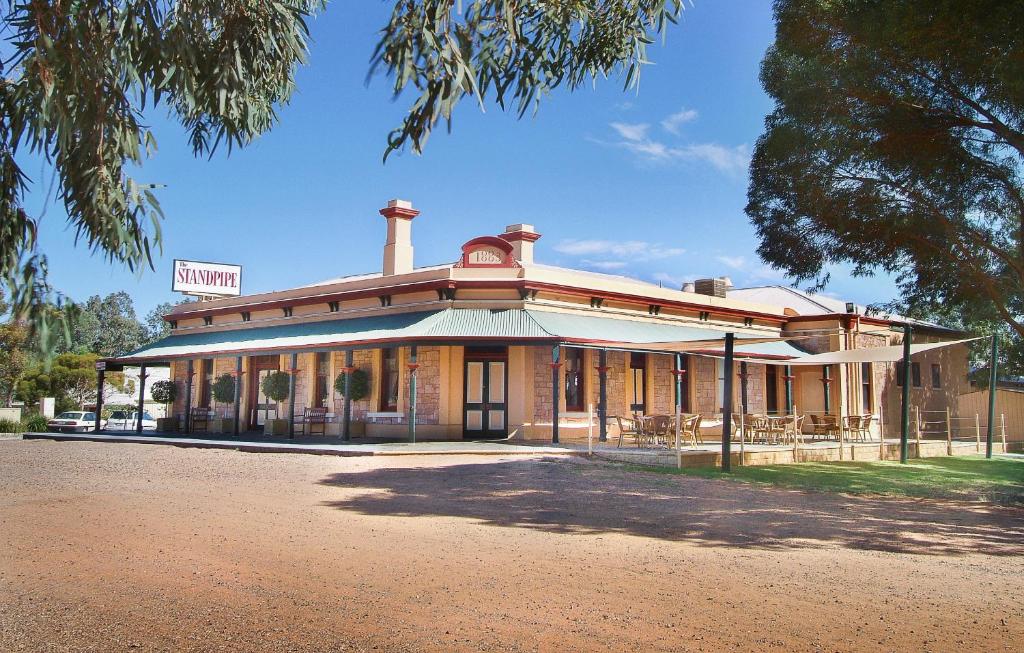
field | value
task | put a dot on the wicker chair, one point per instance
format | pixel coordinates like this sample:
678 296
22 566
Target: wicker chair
199 415
628 426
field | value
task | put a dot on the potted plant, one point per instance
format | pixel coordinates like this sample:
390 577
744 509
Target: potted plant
165 392
276 387
359 388
223 390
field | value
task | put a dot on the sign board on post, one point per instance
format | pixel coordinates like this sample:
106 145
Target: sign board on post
207 279
101 365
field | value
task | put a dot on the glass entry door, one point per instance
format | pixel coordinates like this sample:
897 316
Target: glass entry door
486 384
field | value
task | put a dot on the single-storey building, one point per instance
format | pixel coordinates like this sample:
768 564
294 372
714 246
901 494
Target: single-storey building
496 344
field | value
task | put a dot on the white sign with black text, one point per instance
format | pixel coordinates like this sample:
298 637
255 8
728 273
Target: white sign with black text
207 279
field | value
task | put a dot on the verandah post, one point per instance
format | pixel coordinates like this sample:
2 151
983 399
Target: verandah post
189 371
555 394
142 399
238 391
413 365
992 380
602 400
727 404
291 394
100 373
789 388
744 407
826 381
347 414
904 373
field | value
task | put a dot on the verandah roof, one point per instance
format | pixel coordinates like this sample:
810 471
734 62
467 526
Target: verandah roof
451 325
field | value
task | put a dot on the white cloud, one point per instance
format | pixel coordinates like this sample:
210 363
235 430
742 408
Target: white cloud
634 138
672 123
631 132
767 273
735 262
617 249
605 265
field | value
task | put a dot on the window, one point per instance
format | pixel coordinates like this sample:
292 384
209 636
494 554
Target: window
866 394
574 380
206 382
684 384
936 375
321 386
389 380
915 374
638 369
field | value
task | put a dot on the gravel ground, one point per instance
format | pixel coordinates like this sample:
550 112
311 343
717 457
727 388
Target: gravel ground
118 546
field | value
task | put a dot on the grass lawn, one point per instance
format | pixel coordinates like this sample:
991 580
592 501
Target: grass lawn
971 478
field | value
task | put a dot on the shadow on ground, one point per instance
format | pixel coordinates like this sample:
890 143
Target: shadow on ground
595 498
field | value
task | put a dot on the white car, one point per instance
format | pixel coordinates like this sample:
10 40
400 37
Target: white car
123 420
74 421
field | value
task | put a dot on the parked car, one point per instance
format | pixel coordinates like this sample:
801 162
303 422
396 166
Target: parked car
124 420
73 421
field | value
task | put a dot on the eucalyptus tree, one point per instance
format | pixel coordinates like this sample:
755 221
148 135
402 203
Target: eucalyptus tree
896 144
81 74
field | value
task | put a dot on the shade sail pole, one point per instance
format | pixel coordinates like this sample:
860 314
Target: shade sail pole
238 392
993 377
555 394
99 396
291 395
727 404
602 401
904 373
347 414
142 399
413 365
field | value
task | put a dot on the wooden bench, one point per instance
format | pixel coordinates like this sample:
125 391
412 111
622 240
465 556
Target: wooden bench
199 415
312 417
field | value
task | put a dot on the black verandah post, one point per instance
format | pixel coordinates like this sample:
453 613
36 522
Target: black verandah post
789 388
189 371
602 400
238 391
727 404
100 373
904 373
291 395
826 381
555 364
142 399
347 415
413 365
992 382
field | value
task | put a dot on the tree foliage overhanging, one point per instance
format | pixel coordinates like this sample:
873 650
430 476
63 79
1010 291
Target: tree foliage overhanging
897 144
82 74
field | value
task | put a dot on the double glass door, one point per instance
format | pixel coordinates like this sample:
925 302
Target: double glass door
486 382
261 408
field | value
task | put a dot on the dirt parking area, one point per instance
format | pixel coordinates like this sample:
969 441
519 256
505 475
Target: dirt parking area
116 547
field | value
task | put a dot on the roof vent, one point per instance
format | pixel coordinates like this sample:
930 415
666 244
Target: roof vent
689 286
717 287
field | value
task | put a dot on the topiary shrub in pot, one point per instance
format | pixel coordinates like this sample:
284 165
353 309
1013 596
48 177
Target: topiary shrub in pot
359 388
276 387
223 391
165 392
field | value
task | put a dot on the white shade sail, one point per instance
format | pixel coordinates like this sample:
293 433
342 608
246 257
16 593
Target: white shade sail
872 355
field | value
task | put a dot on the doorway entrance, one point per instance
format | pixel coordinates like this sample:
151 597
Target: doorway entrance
485 403
260 407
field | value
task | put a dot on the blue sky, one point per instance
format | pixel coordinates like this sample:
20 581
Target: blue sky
649 184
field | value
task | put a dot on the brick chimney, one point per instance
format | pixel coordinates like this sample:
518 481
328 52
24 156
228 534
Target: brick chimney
398 247
522 237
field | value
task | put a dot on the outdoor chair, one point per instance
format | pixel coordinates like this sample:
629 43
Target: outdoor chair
661 426
313 417
628 426
794 428
690 429
200 416
825 425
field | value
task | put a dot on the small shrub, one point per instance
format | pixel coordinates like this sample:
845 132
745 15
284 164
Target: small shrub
165 392
36 424
359 386
275 386
224 389
12 426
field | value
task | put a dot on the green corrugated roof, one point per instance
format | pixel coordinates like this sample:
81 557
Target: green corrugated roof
507 325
